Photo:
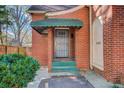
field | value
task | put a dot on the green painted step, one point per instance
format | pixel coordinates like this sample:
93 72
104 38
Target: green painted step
70 63
64 69
61 68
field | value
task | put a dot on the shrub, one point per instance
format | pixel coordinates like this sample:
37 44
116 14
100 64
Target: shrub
115 86
17 70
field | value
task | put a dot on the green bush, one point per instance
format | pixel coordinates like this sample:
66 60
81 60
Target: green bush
17 70
115 86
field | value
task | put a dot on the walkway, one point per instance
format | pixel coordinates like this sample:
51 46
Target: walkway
41 74
44 80
89 79
98 81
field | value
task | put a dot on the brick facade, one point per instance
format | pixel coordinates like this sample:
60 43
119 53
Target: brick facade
81 37
113 19
113 40
81 40
116 44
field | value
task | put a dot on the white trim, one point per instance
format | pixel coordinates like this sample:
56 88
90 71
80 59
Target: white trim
57 13
65 11
100 18
99 67
91 38
32 11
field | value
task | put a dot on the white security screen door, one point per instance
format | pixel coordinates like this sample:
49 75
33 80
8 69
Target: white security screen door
61 43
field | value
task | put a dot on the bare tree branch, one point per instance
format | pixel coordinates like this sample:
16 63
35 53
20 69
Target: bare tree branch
21 23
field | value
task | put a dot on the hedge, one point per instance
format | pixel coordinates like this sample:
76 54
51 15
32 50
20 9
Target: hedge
17 70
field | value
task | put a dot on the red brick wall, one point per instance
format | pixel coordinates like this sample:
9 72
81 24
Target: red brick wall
117 42
114 45
39 43
108 49
113 19
81 36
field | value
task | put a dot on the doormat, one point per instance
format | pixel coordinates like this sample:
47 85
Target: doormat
65 82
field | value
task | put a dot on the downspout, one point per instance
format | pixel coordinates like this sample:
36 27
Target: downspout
91 37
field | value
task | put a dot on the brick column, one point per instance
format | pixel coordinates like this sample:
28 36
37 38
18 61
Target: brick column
82 48
50 48
39 43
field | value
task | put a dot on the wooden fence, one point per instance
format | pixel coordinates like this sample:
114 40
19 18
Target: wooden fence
15 49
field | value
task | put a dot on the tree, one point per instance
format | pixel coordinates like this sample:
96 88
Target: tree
3 20
20 23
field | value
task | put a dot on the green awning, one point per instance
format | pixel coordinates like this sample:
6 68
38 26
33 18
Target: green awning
56 22
41 25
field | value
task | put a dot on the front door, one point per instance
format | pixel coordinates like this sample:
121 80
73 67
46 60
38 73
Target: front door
98 44
61 44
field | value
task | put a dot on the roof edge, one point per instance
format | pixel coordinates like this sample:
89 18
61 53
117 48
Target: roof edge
65 11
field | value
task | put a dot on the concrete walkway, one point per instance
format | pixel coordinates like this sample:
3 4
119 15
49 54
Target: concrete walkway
43 79
98 81
89 79
41 74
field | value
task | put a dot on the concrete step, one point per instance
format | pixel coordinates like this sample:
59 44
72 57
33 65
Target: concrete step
65 73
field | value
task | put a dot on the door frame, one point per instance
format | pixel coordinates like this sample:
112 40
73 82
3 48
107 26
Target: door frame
57 28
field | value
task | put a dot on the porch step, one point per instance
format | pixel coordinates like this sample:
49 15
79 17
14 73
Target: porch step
61 63
64 68
65 73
